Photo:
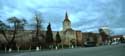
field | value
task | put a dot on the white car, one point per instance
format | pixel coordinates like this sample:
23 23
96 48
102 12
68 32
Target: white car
115 43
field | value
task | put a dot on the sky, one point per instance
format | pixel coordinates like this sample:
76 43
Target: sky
85 15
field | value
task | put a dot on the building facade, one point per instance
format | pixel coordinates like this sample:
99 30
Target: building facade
68 36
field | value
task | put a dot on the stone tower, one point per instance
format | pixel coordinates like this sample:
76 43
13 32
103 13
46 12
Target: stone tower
66 23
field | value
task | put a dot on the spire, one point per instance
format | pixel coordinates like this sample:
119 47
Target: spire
66 17
66 22
49 25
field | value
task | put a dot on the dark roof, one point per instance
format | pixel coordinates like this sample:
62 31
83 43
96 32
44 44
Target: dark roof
66 18
117 36
69 29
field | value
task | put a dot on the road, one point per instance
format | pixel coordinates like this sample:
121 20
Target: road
113 50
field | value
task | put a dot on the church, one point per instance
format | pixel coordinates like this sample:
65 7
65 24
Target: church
68 35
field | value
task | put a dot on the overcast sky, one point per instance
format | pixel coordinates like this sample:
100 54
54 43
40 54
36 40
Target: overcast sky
85 15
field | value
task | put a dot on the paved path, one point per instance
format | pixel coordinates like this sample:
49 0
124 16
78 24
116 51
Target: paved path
113 50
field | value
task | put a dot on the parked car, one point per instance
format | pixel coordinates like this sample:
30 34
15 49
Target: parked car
90 44
123 41
114 43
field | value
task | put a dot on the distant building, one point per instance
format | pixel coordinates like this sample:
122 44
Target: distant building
68 36
105 29
92 37
116 37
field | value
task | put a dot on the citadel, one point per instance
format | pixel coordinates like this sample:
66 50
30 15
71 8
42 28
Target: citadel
68 36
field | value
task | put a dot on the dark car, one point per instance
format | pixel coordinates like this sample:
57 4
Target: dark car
123 41
90 44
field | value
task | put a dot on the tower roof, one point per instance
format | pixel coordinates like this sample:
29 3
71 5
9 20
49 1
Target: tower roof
66 17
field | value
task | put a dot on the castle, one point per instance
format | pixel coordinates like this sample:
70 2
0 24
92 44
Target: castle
67 34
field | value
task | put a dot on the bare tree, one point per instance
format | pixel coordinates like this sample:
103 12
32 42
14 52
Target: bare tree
3 29
18 24
103 35
38 30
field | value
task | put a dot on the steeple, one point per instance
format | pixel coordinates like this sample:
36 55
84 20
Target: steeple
66 17
66 23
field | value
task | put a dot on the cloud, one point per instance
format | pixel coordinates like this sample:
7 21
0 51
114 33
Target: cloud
85 15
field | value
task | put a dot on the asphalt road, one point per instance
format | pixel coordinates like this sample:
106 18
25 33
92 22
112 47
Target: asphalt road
113 50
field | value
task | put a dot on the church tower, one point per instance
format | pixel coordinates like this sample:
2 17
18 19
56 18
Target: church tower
66 23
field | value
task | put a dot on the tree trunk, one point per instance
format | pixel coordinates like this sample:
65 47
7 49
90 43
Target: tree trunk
12 43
